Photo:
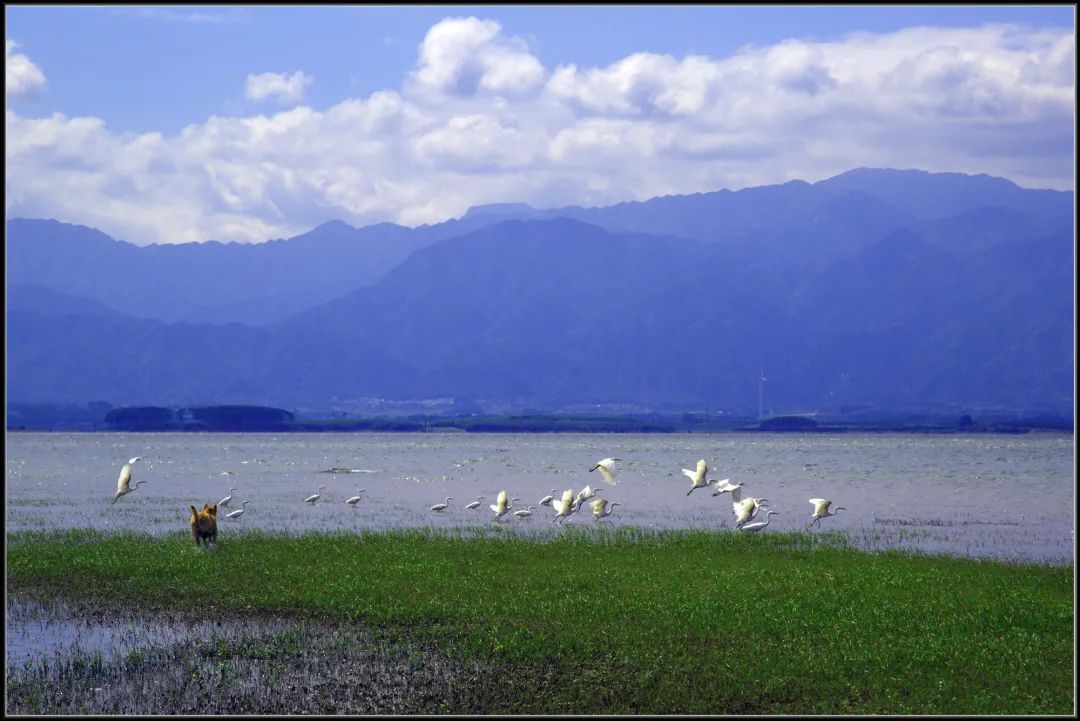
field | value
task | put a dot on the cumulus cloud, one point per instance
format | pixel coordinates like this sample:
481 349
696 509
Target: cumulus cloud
22 77
481 120
465 56
285 88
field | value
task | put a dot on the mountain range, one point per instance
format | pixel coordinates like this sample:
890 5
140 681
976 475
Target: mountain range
874 288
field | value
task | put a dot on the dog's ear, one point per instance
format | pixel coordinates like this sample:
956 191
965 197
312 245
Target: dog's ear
205 507
213 510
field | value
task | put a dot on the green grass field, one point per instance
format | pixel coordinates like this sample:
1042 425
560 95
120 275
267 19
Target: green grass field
595 621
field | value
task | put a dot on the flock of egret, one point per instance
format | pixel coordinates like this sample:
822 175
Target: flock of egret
744 510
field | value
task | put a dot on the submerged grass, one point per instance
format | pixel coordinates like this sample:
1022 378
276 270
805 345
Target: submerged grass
613 620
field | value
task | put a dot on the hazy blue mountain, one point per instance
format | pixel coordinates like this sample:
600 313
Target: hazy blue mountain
558 311
937 195
145 362
208 282
842 297
42 299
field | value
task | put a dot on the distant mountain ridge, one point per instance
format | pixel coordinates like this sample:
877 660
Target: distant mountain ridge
844 297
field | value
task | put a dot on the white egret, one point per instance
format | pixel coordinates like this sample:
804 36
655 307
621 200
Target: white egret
754 527
821 510
238 512
524 512
744 508
586 493
564 506
312 498
501 505
607 470
355 499
123 483
475 505
227 499
697 477
725 486
546 500
602 509
442 506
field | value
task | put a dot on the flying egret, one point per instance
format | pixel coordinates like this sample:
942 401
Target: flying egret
821 510
564 506
501 505
442 506
697 477
754 527
123 483
607 470
524 512
238 512
744 508
227 499
355 499
602 509
725 486
546 500
312 498
586 493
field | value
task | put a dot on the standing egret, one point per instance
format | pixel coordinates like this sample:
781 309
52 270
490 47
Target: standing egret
697 477
355 499
602 509
475 505
725 486
754 527
312 498
607 470
821 510
564 506
524 513
546 500
123 483
238 512
227 499
442 506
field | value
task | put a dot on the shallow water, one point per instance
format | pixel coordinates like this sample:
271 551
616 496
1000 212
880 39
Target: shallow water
999 496
993 496
34 629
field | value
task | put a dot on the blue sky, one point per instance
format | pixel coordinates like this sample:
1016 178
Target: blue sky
180 123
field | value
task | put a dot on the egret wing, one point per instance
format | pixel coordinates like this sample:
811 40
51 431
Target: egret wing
606 474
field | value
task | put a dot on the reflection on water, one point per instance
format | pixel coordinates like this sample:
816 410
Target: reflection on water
35 629
1001 496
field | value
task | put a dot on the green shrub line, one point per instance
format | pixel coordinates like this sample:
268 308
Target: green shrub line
665 621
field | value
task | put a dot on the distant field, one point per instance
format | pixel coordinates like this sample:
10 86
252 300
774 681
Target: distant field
596 621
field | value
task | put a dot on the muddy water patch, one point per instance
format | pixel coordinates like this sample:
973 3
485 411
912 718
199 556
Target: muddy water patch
39 629
156 665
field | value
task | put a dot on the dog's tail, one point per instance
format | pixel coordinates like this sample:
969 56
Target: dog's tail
194 513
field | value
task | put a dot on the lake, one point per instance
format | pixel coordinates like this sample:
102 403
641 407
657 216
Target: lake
1007 497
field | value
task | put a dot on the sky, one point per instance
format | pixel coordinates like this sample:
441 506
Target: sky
170 124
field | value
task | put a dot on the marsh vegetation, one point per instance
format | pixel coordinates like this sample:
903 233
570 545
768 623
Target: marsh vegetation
587 620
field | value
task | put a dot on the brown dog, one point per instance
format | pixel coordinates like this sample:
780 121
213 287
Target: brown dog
204 524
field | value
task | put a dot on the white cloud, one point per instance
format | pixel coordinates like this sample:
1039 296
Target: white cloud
466 56
481 120
22 77
285 88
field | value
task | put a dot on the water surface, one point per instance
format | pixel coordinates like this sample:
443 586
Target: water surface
998 496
